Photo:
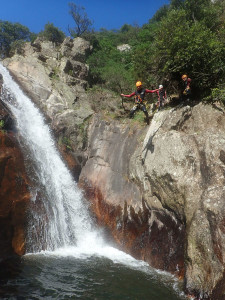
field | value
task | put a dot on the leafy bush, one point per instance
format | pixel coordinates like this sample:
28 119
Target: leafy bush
110 67
192 49
10 33
82 22
52 33
17 47
183 37
217 95
187 38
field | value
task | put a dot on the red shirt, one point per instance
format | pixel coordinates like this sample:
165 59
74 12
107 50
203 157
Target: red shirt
134 93
187 82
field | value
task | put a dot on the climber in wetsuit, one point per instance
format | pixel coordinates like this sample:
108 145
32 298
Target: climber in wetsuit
139 95
161 92
186 94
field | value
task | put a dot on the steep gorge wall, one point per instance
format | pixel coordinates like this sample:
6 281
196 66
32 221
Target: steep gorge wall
149 233
158 189
14 191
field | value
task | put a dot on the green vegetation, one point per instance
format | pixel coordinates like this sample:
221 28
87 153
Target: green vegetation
110 67
11 36
82 22
183 37
217 95
17 47
54 74
188 43
83 132
2 124
66 141
53 34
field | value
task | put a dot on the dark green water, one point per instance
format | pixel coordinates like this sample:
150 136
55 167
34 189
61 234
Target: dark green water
94 278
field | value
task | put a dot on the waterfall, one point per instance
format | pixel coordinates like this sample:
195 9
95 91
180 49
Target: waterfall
62 217
59 222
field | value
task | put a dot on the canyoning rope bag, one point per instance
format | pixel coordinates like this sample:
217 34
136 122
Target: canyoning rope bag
187 91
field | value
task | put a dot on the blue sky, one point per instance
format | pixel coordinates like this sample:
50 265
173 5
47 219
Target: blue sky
104 13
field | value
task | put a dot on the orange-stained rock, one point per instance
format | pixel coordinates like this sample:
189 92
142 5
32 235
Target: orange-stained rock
153 234
144 235
14 193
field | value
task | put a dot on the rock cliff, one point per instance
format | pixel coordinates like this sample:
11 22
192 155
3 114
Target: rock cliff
56 78
158 189
14 190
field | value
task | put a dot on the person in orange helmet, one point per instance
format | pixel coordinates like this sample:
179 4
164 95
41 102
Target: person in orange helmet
139 96
186 87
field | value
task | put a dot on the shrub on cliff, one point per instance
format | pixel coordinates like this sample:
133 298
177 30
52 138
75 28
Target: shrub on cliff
82 22
189 47
217 95
52 34
186 36
110 67
11 33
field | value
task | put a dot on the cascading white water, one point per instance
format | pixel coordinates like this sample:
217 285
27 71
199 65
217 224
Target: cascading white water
67 221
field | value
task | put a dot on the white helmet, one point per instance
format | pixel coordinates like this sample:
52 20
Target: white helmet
160 86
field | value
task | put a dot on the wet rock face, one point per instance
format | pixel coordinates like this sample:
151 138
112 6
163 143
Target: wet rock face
151 235
182 159
14 193
160 190
154 235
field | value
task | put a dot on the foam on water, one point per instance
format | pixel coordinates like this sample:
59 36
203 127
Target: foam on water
118 257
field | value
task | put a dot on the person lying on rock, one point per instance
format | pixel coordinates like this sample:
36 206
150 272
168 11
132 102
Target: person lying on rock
139 96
